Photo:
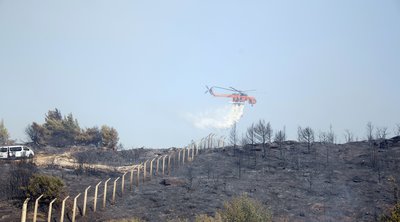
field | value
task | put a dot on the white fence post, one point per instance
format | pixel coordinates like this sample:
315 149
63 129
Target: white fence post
24 210
50 209
36 207
96 189
74 207
85 201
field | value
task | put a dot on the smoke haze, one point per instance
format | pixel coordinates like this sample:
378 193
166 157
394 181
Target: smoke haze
221 118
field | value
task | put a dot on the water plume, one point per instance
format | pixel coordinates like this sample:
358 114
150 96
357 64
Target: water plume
221 118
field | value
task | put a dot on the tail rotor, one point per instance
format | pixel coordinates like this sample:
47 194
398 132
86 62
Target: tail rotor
208 90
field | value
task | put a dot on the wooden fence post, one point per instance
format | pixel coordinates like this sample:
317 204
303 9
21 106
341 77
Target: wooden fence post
169 165
123 183
96 189
114 191
179 157
163 165
63 209
24 210
145 170
131 179
105 193
50 209
74 207
157 165
36 207
151 168
138 176
183 156
85 201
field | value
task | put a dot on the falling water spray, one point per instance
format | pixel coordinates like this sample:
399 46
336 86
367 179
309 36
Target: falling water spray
221 118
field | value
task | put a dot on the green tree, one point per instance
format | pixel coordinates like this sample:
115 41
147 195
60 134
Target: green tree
61 131
37 134
65 131
109 137
90 136
53 115
71 129
4 136
55 129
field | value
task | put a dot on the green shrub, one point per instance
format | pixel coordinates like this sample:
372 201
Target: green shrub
51 187
206 218
245 209
239 209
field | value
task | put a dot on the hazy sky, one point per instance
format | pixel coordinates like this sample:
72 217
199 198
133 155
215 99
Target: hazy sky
142 66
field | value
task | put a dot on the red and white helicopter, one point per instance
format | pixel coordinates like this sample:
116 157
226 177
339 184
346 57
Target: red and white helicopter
238 96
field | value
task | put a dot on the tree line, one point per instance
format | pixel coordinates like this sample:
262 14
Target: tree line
262 133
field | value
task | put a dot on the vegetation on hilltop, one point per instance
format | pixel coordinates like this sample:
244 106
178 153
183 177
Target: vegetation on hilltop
65 131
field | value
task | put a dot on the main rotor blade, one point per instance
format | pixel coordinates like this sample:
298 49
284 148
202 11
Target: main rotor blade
222 88
239 91
242 91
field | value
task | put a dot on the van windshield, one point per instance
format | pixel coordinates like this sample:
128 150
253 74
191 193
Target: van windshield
26 148
3 149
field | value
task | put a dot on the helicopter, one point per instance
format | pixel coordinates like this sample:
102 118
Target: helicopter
238 96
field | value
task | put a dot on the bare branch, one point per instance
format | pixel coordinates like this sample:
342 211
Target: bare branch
348 136
233 136
370 130
306 135
382 133
250 134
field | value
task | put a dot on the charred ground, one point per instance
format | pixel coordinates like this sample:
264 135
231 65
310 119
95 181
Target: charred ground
350 182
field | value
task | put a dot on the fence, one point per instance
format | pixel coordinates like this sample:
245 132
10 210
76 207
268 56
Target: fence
168 167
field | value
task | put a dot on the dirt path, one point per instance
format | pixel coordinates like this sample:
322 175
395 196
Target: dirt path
66 160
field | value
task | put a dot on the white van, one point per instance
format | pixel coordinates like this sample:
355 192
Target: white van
17 151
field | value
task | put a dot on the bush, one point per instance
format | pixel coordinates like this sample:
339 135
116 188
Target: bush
239 209
14 184
51 187
206 218
245 209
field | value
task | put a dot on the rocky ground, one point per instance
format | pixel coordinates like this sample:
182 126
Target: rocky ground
349 182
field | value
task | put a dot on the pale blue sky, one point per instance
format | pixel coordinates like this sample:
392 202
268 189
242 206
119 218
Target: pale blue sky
141 66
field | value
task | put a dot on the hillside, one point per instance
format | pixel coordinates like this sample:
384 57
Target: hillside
329 183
